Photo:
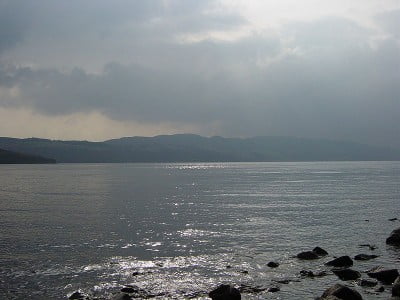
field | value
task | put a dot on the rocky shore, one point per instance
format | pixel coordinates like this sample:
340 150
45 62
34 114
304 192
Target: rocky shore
352 284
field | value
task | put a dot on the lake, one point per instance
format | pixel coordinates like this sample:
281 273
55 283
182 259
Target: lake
179 230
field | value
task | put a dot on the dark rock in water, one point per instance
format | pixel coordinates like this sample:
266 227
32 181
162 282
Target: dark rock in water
274 289
365 256
393 219
273 264
319 251
136 273
380 289
396 287
225 292
244 272
367 283
340 262
228 267
394 238
77 295
283 281
307 273
346 274
341 292
307 255
129 290
387 276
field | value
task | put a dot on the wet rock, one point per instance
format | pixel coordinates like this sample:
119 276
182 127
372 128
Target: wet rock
380 289
273 264
396 287
341 292
274 289
307 273
228 267
129 289
319 251
346 274
394 238
387 276
367 283
393 219
283 281
77 295
340 262
365 256
307 255
244 272
225 292
136 273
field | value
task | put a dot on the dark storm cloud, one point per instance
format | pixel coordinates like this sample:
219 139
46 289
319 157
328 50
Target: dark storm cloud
318 79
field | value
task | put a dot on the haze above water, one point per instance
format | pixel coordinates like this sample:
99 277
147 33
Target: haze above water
91 226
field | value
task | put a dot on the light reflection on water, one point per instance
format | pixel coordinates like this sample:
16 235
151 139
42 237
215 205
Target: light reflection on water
178 230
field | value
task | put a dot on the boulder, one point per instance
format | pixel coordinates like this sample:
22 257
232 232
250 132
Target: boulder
367 283
341 292
365 256
387 276
340 262
319 251
273 264
307 255
77 295
273 289
396 287
346 274
225 292
394 238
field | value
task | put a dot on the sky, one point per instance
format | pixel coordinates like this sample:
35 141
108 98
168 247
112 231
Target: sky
96 69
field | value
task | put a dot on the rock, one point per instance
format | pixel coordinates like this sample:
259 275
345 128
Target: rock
387 276
393 219
380 289
136 273
319 251
273 264
365 256
367 283
340 262
307 255
274 289
225 292
346 274
129 290
341 292
244 272
77 295
394 238
307 273
396 287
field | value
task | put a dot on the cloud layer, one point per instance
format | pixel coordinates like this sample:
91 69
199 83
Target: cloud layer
200 66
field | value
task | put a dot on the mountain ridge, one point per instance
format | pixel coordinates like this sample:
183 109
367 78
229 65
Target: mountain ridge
196 148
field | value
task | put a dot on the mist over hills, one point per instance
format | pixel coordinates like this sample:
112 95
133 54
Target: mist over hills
195 148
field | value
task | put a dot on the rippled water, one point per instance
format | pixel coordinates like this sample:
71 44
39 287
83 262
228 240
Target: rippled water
185 228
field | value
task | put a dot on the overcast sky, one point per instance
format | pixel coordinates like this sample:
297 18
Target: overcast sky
99 69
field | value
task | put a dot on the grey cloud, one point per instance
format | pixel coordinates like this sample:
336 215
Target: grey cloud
316 79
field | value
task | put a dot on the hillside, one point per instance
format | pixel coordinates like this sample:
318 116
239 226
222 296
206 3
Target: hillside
194 148
10 157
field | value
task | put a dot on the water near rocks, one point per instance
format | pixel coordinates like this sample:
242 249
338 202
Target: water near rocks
181 230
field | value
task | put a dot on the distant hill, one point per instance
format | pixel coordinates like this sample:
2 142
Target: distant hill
10 157
194 148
